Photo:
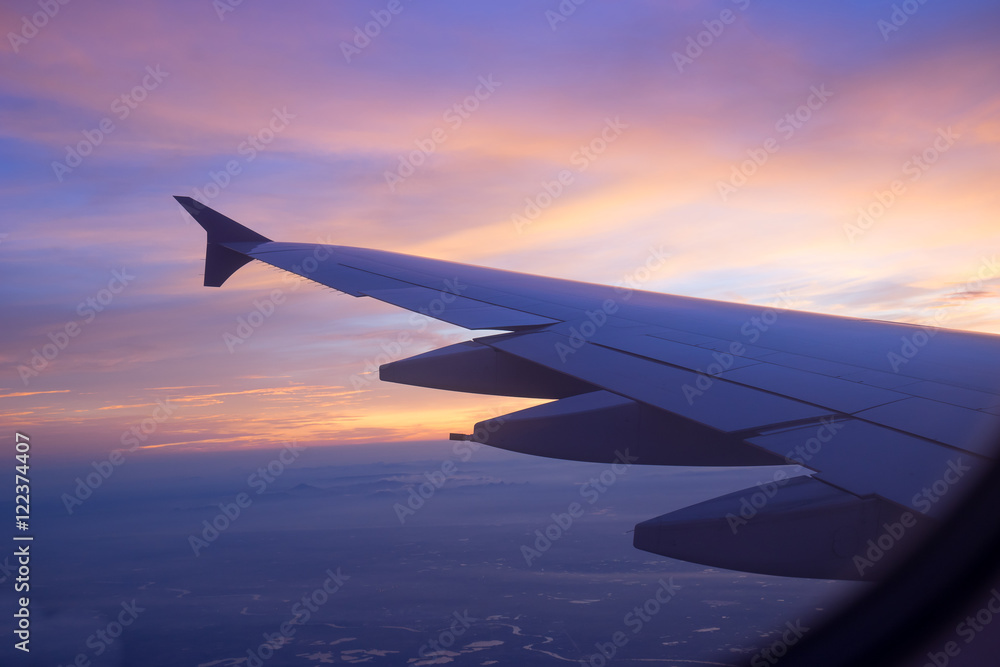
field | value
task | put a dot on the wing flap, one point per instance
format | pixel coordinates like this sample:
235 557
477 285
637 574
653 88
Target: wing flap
866 459
721 405
684 355
602 427
968 398
949 424
830 392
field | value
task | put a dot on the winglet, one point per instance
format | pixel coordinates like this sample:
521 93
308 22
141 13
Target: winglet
220 228
220 261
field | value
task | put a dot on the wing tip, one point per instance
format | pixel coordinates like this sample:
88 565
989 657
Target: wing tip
221 261
220 229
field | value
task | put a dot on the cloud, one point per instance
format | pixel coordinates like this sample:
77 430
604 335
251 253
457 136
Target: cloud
205 128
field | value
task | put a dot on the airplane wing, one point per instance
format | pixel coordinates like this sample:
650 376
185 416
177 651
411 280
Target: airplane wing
887 417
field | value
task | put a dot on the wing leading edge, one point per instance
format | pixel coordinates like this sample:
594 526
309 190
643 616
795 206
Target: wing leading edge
676 380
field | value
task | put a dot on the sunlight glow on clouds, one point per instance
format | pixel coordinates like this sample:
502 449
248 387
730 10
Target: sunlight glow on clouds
816 217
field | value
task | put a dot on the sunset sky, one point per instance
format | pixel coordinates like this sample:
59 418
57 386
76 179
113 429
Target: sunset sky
839 157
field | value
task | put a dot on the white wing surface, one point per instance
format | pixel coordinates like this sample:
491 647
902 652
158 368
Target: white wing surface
887 416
